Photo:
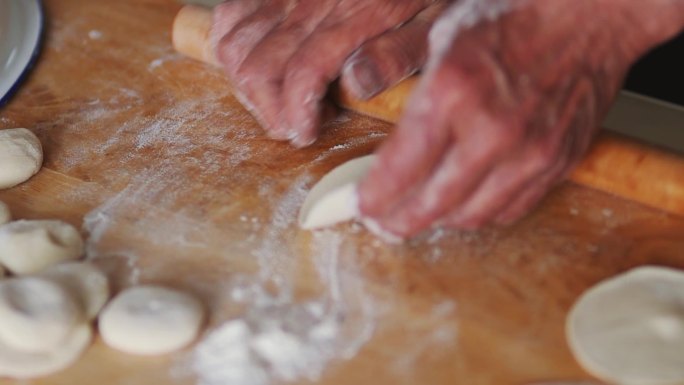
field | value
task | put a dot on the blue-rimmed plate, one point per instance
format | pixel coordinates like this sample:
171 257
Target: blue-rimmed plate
21 24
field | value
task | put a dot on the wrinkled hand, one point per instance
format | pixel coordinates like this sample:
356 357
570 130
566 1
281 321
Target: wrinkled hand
505 109
281 55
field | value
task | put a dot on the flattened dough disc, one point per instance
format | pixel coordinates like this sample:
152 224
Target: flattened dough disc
333 199
630 329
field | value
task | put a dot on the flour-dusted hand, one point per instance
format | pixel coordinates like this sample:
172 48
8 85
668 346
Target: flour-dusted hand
510 99
281 55
391 57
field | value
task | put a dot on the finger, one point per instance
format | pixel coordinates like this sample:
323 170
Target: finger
420 141
535 192
470 160
321 57
234 47
531 195
494 194
391 57
261 73
455 179
508 181
226 15
577 118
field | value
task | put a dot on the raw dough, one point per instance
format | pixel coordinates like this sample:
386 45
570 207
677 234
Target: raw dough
21 156
334 198
151 320
630 329
5 215
84 281
36 314
17 364
30 246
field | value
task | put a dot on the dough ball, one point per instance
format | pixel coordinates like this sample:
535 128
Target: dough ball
36 314
5 215
630 329
334 198
21 156
30 246
84 281
19 364
151 320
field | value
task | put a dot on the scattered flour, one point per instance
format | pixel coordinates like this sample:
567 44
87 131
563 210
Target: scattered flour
158 62
195 156
154 64
443 335
280 338
94 34
275 340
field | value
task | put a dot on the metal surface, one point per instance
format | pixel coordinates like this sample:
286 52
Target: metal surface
647 119
21 23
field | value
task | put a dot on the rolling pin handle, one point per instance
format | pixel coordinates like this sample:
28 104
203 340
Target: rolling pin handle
190 33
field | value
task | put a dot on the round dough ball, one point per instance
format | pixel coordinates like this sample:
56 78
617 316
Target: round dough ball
5 215
36 314
630 329
18 364
21 156
151 320
84 281
28 246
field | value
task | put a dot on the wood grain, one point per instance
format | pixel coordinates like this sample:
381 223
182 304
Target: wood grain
179 186
616 165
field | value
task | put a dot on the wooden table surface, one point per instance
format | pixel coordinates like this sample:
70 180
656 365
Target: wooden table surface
175 184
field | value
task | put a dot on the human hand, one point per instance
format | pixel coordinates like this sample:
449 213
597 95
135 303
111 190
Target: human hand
281 55
507 106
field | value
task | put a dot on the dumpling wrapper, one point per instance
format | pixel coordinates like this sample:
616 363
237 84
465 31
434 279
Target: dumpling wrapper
334 198
629 329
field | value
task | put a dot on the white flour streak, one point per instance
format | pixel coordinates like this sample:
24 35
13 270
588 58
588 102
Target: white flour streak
94 34
160 61
276 263
280 338
439 331
154 64
351 144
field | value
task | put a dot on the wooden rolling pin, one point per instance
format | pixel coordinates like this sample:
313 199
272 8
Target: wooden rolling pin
614 164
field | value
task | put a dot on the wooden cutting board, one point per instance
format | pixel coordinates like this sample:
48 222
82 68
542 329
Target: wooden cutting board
175 184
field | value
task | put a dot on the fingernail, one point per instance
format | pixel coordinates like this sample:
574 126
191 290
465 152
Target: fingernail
365 80
278 131
277 135
298 140
376 229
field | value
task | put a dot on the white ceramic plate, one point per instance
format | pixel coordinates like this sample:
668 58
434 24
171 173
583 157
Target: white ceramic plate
21 24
